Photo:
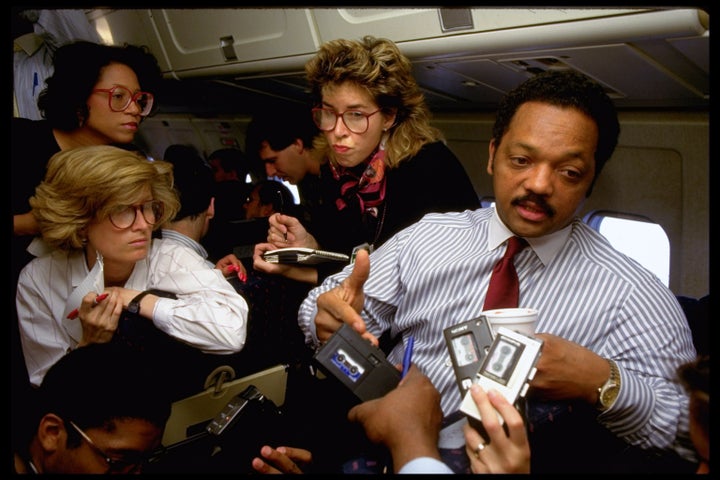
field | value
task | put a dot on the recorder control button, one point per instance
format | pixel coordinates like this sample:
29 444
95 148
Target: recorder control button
524 389
532 373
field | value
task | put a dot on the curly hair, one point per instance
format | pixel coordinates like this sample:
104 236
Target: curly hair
695 378
565 88
82 185
76 70
377 66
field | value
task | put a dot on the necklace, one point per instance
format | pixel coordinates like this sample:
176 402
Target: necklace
380 223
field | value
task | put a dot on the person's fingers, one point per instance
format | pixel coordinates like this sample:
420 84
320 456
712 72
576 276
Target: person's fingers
513 419
280 459
297 455
360 272
261 467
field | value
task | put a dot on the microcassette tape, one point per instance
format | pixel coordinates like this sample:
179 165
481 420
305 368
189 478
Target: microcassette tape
357 363
508 368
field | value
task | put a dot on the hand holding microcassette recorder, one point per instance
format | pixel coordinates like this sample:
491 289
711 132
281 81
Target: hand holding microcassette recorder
504 361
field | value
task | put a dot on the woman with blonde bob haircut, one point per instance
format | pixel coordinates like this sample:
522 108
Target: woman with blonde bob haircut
387 165
97 209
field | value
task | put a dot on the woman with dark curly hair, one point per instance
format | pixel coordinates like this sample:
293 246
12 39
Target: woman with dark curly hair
387 165
97 95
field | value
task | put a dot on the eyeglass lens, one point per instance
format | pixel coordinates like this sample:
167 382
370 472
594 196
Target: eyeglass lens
355 121
125 216
128 464
121 97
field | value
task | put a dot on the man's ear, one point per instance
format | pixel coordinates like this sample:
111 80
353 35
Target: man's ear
51 433
491 156
211 208
299 145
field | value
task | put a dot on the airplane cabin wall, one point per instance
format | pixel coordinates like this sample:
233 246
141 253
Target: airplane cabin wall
659 170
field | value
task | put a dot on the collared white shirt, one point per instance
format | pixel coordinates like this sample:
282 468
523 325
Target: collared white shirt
208 313
424 465
435 274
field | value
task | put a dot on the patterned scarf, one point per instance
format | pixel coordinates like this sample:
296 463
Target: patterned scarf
368 190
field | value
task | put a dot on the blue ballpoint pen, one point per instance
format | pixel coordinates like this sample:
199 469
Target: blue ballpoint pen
407 358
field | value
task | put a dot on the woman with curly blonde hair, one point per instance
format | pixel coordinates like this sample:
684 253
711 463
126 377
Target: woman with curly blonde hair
387 165
97 209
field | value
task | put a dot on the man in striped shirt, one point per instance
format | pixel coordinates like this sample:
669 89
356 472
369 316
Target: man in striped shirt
605 320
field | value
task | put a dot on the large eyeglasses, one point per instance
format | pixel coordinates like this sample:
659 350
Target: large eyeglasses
129 463
124 216
120 98
355 120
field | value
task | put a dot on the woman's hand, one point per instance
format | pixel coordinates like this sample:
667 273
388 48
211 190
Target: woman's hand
230 265
286 231
503 452
99 315
300 273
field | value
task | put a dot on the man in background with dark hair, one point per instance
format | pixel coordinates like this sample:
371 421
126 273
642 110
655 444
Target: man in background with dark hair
101 408
196 189
281 139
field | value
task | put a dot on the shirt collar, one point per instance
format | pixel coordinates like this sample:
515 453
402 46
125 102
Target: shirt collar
185 240
545 247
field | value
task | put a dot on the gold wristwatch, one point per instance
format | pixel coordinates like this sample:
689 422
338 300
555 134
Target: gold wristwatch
608 392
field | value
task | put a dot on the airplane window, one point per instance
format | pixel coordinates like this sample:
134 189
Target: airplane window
636 236
292 188
487 202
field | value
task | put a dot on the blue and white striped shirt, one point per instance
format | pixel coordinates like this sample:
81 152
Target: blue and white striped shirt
435 274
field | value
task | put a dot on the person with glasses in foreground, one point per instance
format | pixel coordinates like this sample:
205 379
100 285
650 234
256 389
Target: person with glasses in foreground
100 409
97 209
97 95
387 165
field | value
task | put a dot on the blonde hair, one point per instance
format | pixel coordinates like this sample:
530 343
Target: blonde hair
377 66
82 185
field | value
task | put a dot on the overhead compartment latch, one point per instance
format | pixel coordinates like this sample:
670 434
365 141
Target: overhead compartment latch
226 46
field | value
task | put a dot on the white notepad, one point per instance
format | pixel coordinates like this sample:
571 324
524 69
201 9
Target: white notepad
303 256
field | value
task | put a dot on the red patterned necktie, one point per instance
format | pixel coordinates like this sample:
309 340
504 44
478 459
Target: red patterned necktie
504 288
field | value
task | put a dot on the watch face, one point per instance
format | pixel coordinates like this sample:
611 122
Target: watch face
608 395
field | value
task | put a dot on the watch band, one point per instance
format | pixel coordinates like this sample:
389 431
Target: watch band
134 305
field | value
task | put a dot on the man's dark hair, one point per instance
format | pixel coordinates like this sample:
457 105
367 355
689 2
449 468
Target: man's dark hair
102 382
194 180
76 70
271 191
565 88
280 126
232 159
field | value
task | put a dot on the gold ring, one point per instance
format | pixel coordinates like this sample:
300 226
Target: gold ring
480 448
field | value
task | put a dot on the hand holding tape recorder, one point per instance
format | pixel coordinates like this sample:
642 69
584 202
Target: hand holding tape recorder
358 364
508 367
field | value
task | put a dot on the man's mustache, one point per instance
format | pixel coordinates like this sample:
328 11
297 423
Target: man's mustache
538 202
